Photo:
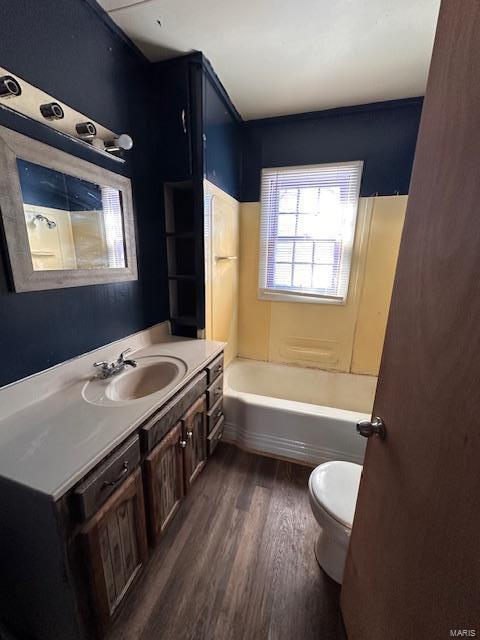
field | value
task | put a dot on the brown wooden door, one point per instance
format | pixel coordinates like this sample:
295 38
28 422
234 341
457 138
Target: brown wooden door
164 476
413 569
195 433
116 548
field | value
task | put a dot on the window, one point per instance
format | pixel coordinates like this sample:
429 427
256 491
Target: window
307 231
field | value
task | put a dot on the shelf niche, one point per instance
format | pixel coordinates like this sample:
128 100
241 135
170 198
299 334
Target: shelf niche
181 257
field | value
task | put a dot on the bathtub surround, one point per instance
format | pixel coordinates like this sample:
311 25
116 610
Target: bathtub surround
345 337
380 263
338 337
222 266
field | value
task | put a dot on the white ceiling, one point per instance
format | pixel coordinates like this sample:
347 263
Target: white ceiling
277 57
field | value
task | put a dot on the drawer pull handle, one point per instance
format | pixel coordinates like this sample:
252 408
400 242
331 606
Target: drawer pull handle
112 483
217 392
183 443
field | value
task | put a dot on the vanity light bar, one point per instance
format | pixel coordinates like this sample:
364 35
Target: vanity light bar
19 96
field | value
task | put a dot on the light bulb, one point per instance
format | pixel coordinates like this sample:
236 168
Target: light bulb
123 141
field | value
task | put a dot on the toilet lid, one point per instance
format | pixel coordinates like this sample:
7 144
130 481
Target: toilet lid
334 485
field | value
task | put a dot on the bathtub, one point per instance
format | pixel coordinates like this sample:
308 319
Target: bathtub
306 415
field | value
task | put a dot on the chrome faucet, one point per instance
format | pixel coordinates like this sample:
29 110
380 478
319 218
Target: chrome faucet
108 370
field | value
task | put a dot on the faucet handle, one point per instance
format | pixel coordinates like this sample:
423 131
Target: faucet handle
124 353
100 364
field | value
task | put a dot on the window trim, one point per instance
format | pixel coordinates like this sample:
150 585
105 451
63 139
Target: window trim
297 295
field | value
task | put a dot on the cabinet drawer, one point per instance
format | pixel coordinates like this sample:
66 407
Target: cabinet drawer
214 414
215 391
216 435
106 478
215 368
161 423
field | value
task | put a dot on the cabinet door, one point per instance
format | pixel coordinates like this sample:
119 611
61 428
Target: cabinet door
164 475
116 548
195 434
174 115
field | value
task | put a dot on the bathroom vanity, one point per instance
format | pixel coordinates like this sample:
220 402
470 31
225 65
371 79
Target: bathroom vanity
90 487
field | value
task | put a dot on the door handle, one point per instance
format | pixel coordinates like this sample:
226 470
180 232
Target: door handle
374 427
184 123
226 258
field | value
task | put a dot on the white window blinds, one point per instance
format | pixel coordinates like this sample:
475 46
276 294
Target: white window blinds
113 223
307 231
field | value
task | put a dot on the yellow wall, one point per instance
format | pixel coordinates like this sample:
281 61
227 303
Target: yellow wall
222 276
341 337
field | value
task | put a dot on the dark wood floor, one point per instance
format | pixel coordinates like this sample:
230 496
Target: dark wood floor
237 562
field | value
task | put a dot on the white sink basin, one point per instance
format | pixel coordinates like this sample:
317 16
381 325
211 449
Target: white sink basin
153 374
142 381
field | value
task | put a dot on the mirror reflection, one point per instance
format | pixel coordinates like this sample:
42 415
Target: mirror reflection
71 223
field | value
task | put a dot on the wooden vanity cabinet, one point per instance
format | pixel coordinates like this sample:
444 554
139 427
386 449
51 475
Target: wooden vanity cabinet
194 424
115 547
91 547
164 481
176 442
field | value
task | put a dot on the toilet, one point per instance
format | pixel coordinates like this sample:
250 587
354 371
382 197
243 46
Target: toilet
333 489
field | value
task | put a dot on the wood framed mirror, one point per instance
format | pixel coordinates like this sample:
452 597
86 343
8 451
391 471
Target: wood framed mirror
66 222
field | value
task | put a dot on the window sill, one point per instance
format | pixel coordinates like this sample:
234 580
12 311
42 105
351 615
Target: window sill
283 296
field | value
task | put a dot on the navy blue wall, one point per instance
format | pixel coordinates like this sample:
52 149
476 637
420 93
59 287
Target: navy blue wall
66 49
222 145
383 135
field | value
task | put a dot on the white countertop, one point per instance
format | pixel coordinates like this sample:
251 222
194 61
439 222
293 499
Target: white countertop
53 442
